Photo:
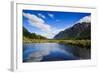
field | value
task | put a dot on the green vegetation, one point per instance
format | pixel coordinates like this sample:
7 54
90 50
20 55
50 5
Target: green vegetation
34 38
28 35
80 43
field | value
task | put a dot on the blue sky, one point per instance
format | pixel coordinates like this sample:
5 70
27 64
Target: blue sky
49 23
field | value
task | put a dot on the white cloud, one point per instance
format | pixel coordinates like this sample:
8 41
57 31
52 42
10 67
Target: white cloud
56 31
33 18
50 15
38 22
41 15
85 19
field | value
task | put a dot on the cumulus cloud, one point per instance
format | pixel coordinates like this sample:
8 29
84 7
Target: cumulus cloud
85 19
41 15
50 15
37 22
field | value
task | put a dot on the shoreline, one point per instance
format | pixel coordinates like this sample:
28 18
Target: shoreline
80 43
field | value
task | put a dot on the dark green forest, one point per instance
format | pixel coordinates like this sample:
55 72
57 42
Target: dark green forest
27 34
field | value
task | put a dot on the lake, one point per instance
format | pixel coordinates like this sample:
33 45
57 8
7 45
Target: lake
39 52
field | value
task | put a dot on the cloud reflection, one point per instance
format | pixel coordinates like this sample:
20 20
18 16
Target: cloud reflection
44 50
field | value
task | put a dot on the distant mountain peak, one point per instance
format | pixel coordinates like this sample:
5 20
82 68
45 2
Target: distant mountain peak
86 19
80 30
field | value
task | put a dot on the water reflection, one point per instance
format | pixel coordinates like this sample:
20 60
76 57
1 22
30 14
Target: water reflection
36 52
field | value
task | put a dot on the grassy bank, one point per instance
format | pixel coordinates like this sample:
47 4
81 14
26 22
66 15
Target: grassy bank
80 43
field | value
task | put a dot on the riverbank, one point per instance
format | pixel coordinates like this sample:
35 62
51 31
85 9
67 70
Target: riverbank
80 43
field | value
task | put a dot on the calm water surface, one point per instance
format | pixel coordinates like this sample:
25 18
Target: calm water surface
38 52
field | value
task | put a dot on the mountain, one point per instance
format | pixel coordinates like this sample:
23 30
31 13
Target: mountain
80 30
27 34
